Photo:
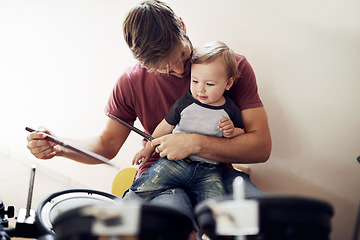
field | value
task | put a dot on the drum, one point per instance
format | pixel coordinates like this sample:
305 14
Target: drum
63 201
126 220
265 218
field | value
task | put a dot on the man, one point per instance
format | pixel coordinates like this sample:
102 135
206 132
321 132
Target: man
157 39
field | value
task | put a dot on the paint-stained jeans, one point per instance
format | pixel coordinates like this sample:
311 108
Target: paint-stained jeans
201 180
179 200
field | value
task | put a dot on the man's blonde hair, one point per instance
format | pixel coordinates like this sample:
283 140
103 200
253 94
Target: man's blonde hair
211 51
152 30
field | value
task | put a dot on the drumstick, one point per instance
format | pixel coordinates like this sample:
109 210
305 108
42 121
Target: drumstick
138 131
95 156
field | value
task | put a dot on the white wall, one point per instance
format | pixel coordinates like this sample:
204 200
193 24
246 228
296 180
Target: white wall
59 60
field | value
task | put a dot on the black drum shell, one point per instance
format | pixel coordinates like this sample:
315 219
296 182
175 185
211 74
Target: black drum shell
280 217
156 222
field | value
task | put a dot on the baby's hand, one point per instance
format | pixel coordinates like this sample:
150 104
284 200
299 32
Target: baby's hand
226 126
142 156
228 129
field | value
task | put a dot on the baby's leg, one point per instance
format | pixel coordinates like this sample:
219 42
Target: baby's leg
163 175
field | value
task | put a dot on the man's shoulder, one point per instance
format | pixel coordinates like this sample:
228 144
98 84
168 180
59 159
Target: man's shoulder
239 57
241 60
134 71
134 75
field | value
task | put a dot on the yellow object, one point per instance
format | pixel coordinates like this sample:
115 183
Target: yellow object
123 180
241 167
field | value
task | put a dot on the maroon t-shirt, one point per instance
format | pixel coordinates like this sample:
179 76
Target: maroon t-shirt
149 96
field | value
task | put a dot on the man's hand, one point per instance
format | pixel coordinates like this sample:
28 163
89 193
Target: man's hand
41 148
252 147
175 146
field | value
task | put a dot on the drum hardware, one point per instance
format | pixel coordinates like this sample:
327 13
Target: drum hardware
123 220
223 219
4 233
46 237
356 235
25 221
90 222
9 212
114 220
25 225
4 223
31 189
38 224
265 218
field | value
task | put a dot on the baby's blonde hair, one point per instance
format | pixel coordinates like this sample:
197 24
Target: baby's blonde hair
211 51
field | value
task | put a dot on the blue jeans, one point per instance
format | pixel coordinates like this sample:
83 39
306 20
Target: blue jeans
200 180
228 177
179 200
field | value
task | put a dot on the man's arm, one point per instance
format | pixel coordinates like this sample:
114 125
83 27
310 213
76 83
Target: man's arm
107 144
252 147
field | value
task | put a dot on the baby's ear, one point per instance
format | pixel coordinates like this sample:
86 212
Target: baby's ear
229 83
